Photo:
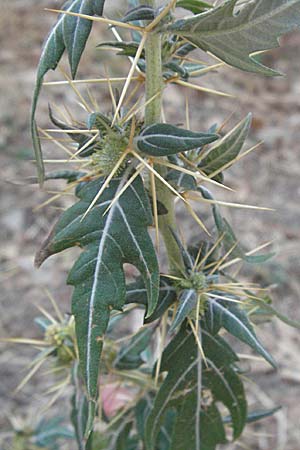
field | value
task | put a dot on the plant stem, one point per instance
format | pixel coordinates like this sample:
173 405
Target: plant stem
154 84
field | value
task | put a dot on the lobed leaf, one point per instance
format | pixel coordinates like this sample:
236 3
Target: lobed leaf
232 36
108 241
70 33
182 388
162 139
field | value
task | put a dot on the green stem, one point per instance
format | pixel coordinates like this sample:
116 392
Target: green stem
154 85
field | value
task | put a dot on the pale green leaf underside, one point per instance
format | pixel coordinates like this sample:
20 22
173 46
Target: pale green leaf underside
232 36
108 241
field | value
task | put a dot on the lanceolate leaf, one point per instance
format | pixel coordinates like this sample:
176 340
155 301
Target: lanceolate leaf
137 293
76 31
109 241
130 355
196 6
235 321
142 12
71 33
182 180
227 149
233 36
186 303
162 139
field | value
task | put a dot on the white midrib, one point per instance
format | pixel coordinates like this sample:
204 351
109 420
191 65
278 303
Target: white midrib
94 290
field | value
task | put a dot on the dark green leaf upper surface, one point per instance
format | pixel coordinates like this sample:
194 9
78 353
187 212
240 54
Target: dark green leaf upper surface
137 293
236 322
227 149
196 6
70 33
108 241
184 386
162 139
233 36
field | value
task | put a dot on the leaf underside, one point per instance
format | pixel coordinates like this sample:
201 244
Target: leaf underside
233 36
109 241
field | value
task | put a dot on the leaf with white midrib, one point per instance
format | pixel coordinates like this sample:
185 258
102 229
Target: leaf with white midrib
69 33
187 302
182 389
232 37
109 241
227 149
162 139
76 31
137 293
235 321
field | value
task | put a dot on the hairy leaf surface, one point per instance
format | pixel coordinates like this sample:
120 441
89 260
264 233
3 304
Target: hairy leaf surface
108 241
233 36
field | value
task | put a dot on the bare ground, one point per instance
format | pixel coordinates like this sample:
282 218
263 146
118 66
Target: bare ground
268 177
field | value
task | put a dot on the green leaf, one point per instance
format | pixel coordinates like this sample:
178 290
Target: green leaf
142 12
259 415
48 433
181 180
76 31
195 6
108 241
236 322
37 151
162 139
126 48
137 293
233 36
267 308
71 33
130 355
80 409
212 429
188 299
182 389
227 149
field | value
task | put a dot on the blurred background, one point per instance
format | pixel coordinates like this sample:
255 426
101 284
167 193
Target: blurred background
267 177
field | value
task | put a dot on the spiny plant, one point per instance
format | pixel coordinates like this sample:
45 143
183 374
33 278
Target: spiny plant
184 379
